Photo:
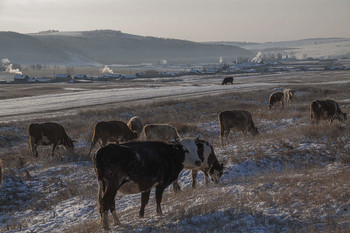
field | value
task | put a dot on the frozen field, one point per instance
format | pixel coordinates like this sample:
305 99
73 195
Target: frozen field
289 178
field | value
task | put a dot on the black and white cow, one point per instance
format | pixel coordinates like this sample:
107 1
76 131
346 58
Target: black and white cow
137 167
210 165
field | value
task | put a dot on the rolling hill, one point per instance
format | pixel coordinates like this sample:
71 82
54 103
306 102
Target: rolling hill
108 47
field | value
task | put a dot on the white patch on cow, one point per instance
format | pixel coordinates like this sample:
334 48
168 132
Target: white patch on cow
129 187
191 153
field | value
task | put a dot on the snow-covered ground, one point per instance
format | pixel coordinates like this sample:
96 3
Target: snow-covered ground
279 181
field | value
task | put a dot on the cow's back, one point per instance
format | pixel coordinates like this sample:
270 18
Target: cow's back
160 132
111 129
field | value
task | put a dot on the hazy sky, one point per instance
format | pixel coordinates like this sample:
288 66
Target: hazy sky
196 20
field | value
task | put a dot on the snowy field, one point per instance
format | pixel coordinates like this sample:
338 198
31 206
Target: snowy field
289 178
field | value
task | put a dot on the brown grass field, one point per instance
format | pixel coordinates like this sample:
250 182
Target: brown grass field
311 189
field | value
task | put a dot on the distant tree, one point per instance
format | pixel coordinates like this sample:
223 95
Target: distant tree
70 70
279 56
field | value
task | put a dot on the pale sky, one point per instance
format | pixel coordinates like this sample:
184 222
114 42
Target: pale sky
195 20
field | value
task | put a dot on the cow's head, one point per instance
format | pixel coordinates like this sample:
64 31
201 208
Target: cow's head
69 144
191 155
254 131
341 116
133 136
215 173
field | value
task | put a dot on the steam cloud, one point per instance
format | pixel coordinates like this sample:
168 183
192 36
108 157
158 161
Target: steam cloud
8 66
258 58
106 69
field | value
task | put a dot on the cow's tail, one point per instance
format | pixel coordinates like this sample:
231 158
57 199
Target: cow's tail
98 165
94 139
31 139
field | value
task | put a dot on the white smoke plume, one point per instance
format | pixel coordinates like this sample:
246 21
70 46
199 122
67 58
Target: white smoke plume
106 69
8 66
258 58
221 60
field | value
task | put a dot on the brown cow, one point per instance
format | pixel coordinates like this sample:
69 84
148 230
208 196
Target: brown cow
239 120
165 132
113 131
135 124
325 110
276 97
210 165
288 95
46 134
1 172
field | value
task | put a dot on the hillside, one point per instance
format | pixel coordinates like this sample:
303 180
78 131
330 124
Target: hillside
108 47
325 48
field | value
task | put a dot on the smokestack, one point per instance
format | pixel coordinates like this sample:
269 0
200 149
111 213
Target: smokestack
8 66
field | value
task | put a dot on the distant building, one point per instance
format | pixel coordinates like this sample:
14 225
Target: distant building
62 77
19 78
80 76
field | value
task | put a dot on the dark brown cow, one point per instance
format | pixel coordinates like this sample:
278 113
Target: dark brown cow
114 131
137 167
1 172
227 80
325 110
239 120
135 124
210 165
46 134
275 98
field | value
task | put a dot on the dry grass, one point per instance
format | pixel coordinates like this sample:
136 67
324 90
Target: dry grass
295 190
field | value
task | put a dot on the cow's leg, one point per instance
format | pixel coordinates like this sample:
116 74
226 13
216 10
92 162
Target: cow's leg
34 150
194 173
176 186
159 194
93 144
114 214
206 177
108 202
144 201
53 149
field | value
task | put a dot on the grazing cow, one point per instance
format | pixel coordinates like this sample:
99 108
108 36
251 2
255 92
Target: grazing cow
113 131
325 110
227 80
135 124
137 167
210 165
165 132
276 97
46 134
1 172
288 95
239 120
